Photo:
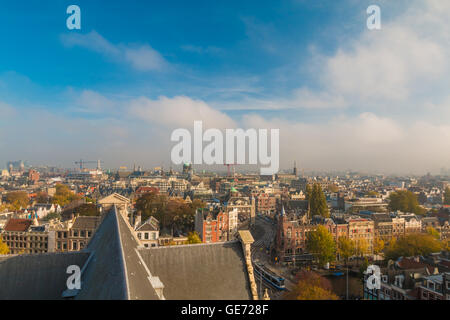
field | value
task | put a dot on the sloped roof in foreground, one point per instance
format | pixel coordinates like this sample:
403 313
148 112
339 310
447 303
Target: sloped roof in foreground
39 276
200 272
114 268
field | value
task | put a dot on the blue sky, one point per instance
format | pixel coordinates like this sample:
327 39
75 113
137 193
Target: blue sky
305 66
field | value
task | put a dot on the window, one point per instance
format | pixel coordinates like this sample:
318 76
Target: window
74 246
82 233
146 236
139 235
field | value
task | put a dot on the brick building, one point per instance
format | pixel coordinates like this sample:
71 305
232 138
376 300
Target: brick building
25 236
291 236
216 224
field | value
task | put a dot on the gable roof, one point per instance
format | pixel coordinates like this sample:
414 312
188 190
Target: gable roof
114 198
200 272
113 268
20 225
38 276
86 222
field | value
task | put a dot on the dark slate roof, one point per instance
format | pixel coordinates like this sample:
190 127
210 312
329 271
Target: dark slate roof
137 276
203 271
39 276
86 222
114 268
104 277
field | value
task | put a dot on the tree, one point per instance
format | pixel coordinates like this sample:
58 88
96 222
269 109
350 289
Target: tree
4 249
362 247
63 195
173 213
433 232
378 246
193 238
321 243
17 199
346 248
317 201
406 201
42 197
87 209
152 204
53 215
333 188
412 245
311 286
308 192
447 196
372 194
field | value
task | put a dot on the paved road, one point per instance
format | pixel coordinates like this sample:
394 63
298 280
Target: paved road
264 234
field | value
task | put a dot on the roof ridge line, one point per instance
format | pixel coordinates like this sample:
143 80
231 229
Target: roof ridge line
122 255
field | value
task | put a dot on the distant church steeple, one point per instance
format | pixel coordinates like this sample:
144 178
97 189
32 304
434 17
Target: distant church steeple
295 168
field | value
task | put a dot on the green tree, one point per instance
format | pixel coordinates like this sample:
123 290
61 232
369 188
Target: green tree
152 204
362 247
317 201
346 248
308 192
311 286
406 201
321 243
193 237
433 232
447 196
378 246
63 195
17 199
173 213
53 215
4 249
333 188
412 245
42 197
87 209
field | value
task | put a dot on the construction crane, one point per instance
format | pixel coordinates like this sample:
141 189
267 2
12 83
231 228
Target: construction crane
83 162
228 165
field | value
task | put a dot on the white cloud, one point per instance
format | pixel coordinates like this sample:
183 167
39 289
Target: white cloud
179 111
362 142
93 102
139 57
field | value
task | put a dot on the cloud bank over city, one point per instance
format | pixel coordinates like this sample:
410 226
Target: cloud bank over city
364 100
